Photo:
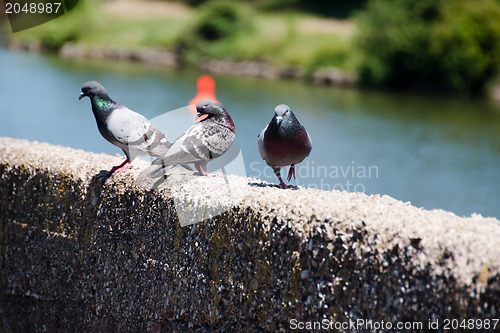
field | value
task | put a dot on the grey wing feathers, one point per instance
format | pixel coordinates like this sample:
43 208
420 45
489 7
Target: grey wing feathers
154 142
201 143
186 149
260 144
135 133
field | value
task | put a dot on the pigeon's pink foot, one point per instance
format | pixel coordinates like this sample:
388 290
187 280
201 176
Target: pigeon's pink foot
124 166
283 185
291 172
212 175
204 172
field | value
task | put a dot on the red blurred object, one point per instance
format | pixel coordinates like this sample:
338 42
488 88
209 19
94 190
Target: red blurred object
206 89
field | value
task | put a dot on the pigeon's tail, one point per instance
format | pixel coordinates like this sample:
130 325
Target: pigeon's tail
160 148
157 144
152 142
158 169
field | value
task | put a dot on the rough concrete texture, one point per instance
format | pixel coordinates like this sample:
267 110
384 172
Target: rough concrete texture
79 252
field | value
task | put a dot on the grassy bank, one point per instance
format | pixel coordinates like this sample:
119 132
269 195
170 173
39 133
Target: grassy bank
448 46
240 34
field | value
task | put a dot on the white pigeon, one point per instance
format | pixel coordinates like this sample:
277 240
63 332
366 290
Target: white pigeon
124 128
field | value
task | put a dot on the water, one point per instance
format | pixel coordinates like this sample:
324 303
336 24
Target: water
435 152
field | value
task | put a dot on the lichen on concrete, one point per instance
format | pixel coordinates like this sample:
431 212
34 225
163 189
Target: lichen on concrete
82 252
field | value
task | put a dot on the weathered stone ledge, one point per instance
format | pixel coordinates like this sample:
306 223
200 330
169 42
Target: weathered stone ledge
81 253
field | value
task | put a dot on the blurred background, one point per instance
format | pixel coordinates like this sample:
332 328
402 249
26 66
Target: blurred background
400 97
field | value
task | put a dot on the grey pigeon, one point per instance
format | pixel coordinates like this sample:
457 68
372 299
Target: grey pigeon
124 128
284 142
210 137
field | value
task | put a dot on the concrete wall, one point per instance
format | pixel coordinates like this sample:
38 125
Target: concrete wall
79 252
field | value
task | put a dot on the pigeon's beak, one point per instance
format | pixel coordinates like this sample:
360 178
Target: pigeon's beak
82 95
279 119
202 117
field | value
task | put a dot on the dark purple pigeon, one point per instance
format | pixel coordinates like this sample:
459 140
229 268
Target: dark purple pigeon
284 142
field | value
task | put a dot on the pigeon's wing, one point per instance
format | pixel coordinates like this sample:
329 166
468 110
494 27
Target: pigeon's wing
188 148
309 140
260 144
183 151
202 142
134 132
156 142
218 138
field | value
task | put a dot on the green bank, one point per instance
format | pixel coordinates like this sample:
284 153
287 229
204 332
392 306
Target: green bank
449 46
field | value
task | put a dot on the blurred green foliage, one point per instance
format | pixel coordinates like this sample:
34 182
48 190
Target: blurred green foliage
338 9
215 30
54 34
221 29
237 31
219 19
449 45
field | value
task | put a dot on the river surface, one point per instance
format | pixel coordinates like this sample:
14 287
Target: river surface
434 151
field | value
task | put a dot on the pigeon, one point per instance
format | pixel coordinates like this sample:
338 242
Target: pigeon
124 128
210 137
284 142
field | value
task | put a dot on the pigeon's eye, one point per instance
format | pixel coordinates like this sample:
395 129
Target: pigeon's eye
204 107
86 89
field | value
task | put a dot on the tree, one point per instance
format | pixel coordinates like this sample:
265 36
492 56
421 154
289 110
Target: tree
447 44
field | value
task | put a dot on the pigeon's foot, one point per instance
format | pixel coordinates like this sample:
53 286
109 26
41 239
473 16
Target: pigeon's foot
283 185
204 172
124 166
212 175
291 172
